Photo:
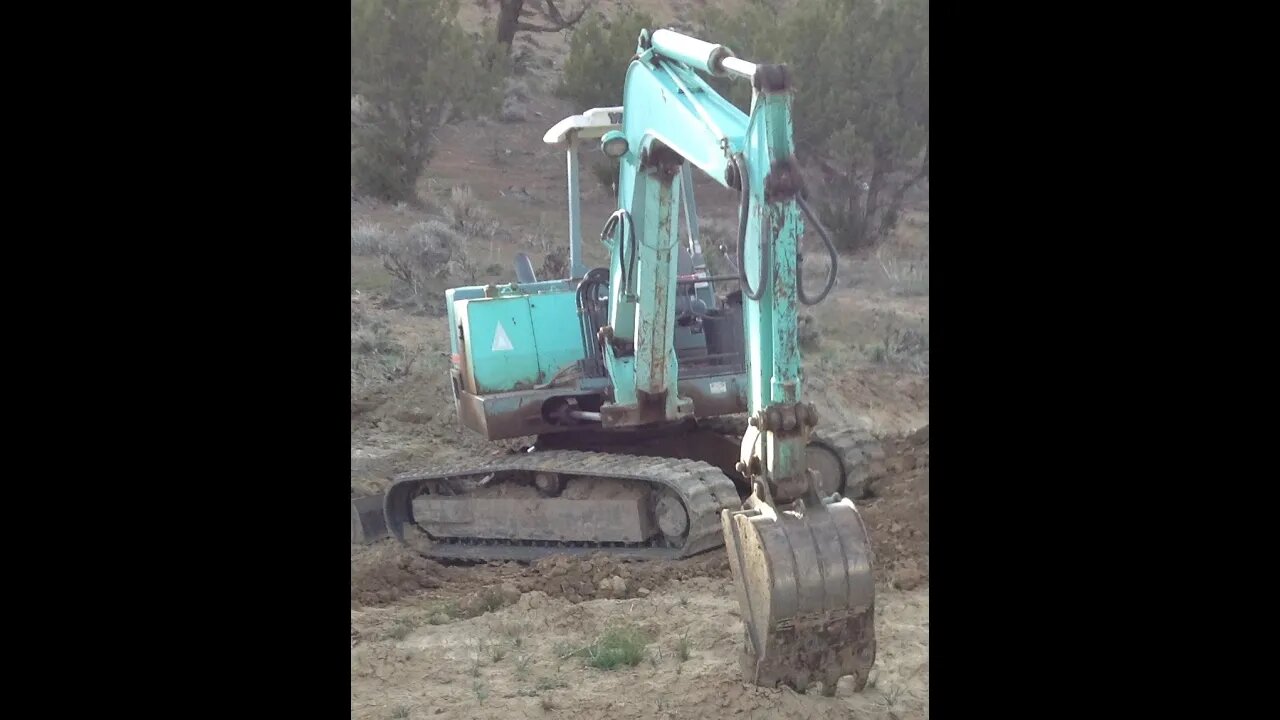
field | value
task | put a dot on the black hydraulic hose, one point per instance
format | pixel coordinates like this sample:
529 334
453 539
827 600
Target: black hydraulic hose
584 317
831 252
744 208
589 311
631 262
623 261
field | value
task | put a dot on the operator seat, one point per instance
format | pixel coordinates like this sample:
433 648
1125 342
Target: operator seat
524 269
688 305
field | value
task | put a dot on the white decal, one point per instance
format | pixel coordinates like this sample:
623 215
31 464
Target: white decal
500 340
719 387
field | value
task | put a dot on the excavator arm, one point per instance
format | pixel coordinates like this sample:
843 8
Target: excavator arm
670 117
800 554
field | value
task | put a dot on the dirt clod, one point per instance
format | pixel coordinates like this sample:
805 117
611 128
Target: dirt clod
510 593
382 574
907 576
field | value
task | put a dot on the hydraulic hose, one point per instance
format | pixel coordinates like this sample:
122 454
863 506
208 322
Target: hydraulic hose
831 253
623 261
590 317
744 208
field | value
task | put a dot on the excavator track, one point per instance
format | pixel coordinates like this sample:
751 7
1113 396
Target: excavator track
626 487
856 458
860 455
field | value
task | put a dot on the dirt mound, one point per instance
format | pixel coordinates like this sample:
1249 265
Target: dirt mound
897 515
382 574
599 576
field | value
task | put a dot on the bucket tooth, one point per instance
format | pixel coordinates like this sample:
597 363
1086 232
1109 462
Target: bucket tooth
806 593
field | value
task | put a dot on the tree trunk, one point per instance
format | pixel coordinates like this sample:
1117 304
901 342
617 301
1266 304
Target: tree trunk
855 193
851 224
508 20
873 200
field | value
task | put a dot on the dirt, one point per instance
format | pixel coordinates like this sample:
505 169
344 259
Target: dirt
897 515
525 660
384 573
496 640
599 576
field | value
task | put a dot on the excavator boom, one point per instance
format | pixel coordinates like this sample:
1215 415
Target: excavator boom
800 554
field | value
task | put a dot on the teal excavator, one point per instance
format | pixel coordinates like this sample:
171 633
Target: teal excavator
669 419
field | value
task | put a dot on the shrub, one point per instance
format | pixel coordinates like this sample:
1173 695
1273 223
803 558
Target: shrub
420 254
367 238
598 58
413 68
555 264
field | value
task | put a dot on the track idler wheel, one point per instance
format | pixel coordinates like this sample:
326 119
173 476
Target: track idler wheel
805 590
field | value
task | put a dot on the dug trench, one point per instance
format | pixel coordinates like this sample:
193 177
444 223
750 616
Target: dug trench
533 640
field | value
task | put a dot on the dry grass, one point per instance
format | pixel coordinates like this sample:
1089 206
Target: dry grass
497 651
368 238
550 683
906 278
400 629
376 357
522 667
468 215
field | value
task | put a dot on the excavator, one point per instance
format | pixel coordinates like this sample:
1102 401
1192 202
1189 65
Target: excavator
669 419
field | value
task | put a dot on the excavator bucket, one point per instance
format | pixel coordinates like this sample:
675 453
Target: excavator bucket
806 592
367 522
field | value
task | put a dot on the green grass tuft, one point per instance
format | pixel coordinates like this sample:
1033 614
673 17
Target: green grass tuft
399 629
619 647
683 647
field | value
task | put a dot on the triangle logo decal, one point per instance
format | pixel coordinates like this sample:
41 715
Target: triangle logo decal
501 342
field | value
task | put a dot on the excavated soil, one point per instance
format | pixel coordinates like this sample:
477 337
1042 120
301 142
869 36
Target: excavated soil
897 515
600 577
384 573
